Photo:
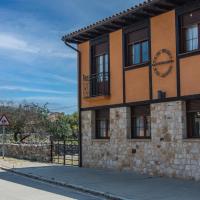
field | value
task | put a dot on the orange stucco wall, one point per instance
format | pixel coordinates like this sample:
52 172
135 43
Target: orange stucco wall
116 88
190 75
163 35
137 84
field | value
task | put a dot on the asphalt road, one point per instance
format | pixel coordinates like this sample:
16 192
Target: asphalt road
15 187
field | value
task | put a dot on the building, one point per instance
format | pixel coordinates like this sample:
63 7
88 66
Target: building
55 116
139 89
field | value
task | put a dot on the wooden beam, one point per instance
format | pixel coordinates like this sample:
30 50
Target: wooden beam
144 13
155 10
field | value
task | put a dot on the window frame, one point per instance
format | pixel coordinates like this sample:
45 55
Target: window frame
184 39
136 27
182 33
190 114
132 44
104 118
99 80
145 114
95 42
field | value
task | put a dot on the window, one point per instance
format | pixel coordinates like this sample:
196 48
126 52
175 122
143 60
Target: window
99 78
193 119
100 62
191 39
141 122
101 65
102 124
190 25
137 45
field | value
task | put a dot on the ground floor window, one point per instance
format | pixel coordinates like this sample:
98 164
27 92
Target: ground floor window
140 122
193 118
102 124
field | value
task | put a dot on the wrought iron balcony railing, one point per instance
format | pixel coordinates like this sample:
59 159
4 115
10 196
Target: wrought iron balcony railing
96 85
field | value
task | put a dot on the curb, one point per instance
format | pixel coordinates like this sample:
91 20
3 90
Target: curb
68 185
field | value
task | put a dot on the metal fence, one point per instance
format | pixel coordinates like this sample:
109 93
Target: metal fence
65 152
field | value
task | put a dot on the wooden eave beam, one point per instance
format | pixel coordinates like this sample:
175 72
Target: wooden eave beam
145 13
156 10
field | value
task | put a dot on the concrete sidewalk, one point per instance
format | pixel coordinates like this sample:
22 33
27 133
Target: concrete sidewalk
107 183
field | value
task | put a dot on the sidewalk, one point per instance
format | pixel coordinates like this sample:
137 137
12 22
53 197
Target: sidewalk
118 185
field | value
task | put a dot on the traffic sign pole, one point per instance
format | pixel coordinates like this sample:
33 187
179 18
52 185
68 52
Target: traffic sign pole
4 122
3 148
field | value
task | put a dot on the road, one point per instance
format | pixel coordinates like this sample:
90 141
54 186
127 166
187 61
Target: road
15 187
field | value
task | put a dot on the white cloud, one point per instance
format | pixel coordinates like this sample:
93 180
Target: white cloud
63 79
13 43
43 48
33 90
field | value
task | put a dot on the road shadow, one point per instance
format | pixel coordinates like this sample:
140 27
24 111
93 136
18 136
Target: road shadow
50 188
127 184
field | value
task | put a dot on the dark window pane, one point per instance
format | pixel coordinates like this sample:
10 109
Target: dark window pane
148 126
102 123
197 124
106 62
136 54
130 55
191 37
141 123
145 51
193 118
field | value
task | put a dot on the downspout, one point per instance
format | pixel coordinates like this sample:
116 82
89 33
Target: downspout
79 98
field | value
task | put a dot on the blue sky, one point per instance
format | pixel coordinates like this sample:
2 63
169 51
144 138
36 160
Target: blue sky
35 65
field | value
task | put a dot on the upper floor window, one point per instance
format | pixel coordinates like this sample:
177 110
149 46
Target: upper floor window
99 77
190 32
141 122
100 63
102 124
137 46
193 119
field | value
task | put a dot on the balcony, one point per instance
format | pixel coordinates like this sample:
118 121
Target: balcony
96 85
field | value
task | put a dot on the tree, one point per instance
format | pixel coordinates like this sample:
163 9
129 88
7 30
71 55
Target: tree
25 119
65 127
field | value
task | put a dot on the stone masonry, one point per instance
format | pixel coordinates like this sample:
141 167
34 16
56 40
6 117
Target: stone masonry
33 152
167 153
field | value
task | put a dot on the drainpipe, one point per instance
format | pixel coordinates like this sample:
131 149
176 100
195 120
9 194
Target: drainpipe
79 98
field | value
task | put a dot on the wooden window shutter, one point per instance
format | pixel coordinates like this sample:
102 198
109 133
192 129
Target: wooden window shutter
191 18
138 35
193 106
141 110
101 48
102 114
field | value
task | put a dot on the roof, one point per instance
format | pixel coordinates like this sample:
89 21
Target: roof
147 9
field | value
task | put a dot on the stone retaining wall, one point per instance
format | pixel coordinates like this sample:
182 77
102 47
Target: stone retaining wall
167 153
40 153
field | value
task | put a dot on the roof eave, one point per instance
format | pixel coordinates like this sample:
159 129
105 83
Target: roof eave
142 11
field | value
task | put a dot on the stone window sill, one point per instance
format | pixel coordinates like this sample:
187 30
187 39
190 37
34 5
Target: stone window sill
139 140
101 140
191 140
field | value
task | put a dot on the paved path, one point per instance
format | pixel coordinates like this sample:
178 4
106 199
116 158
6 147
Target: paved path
128 185
15 187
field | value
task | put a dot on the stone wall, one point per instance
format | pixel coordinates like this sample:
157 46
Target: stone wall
40 153
167 153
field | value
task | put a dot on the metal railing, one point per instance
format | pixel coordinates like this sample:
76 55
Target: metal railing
96 85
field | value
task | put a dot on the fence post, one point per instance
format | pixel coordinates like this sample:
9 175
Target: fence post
64 152
51 146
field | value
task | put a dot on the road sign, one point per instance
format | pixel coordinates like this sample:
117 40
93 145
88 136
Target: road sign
4 121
